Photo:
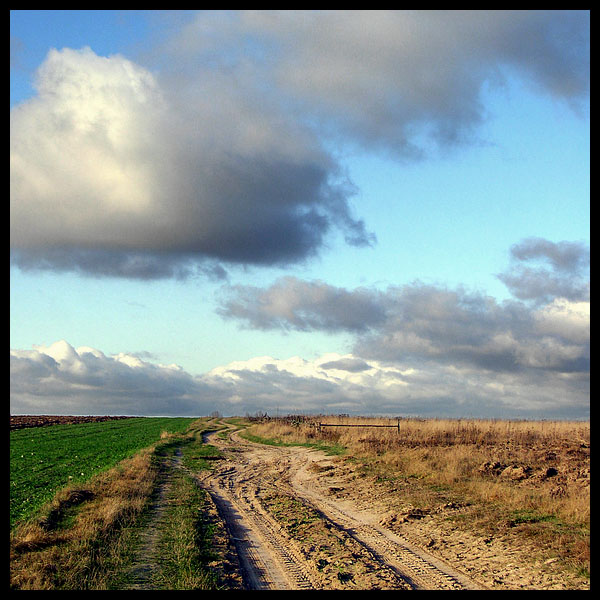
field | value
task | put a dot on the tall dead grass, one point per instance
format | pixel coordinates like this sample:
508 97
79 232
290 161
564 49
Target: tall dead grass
81 550
436 432
540 466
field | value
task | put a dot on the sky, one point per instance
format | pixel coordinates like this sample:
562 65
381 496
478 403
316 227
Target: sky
320 212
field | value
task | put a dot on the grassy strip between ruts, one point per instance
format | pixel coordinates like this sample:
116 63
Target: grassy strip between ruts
185 540
46 459
187 558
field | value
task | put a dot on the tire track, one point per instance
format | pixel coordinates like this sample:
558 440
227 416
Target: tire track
266 558
417 568
272 560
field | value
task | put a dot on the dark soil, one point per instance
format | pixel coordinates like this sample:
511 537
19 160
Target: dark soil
23 421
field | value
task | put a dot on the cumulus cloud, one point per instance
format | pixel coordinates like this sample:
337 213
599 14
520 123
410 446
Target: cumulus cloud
60 379
114 173
542 270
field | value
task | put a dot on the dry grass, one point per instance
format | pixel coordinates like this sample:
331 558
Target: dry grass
79 542
527 482
538 468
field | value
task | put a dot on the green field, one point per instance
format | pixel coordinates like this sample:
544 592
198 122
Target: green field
46 459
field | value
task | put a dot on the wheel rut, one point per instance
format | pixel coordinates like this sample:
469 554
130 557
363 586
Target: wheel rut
419 569
272 559
265 556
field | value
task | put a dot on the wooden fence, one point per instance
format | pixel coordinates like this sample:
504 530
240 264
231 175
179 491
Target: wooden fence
320 425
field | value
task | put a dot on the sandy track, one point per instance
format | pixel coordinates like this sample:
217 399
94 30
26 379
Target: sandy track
266 558
272 559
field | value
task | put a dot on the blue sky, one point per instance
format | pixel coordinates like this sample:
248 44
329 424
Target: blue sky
192 191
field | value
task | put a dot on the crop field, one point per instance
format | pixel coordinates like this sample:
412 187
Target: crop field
46 459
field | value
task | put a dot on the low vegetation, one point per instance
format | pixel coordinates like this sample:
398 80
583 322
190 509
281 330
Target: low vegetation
283 439
186 531
85 542
81 494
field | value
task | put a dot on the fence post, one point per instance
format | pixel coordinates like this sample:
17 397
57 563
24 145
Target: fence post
398 425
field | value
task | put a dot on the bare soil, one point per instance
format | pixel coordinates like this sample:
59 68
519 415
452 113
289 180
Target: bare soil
23 421
300 519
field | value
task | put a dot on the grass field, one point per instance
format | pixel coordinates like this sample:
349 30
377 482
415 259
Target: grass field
46 459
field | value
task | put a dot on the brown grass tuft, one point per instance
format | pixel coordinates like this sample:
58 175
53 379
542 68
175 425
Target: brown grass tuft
81 556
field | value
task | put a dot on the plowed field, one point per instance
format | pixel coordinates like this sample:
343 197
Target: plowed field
23 421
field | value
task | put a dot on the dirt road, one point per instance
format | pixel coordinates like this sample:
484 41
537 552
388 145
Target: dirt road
292 532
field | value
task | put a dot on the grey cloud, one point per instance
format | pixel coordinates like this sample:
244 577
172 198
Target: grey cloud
116 173
563 256
144 265
425 323
388 78
294 304
455 327
563 272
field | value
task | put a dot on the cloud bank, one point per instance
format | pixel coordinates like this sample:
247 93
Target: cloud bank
60 379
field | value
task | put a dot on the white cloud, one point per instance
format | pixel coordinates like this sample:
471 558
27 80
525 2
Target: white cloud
569 320
86 381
